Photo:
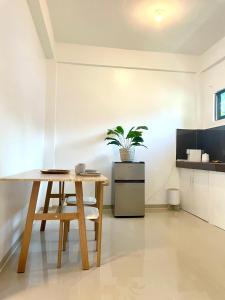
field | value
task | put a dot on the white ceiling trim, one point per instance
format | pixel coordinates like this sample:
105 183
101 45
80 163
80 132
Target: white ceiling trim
213 56
121 58
41 18
126 68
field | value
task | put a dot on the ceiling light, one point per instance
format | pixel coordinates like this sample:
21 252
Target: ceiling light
159 15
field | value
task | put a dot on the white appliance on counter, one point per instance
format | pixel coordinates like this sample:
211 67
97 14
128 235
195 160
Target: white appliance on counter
194 155
205 157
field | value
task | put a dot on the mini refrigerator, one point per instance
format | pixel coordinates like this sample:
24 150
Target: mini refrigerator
128 189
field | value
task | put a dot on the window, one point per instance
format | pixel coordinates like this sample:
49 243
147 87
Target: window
220 105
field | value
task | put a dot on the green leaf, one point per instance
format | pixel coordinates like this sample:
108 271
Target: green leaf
109 131
138 145
142 127
134 133
112 139
137 139
120 130
114 143
112 132
127 137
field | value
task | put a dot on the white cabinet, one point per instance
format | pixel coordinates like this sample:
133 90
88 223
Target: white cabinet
194 187
186 189
217 199
201 194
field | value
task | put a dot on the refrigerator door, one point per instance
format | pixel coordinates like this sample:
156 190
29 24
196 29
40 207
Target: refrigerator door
129 199
129 171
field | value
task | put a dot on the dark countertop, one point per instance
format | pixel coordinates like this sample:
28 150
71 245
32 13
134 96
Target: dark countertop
217 167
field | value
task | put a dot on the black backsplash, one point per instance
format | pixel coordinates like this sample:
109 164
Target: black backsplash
211 141
186 139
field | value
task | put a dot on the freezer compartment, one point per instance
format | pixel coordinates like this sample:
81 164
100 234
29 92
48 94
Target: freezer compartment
129 171
129 199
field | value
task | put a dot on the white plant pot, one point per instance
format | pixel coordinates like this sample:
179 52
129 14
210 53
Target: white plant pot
127 154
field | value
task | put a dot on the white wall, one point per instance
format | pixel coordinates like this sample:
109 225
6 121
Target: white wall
91 99
211 80
22 99
51 86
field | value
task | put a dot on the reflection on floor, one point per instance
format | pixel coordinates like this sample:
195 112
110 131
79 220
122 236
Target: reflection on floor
165 256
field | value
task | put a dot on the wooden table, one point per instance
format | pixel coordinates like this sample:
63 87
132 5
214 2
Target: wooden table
37 177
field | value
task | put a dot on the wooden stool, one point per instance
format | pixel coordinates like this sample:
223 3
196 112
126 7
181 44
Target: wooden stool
92 212
69 214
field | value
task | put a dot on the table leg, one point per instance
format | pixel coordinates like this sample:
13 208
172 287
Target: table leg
46 205
82 226
99 226
60 193
97 205
28 227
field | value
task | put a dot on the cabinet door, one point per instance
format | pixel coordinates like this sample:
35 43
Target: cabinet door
217 199
186 189
201 194
129 171
129 199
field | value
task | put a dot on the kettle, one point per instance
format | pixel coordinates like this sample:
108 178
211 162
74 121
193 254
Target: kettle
205 157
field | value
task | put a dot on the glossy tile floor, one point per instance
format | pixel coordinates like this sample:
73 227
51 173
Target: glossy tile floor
165 256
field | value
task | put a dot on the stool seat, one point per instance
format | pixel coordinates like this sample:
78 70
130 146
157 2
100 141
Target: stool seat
91 213
88 200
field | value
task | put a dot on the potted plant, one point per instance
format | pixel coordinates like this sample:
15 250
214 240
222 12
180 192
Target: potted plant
126 142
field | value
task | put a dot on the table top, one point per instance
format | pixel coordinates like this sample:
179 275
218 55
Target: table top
36 175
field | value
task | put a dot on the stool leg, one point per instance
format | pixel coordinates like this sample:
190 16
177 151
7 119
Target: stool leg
68 226
96 230
65 234
60 244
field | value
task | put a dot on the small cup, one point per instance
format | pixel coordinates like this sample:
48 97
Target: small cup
80 168
205 157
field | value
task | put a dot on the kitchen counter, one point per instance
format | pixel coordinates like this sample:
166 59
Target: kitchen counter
217 167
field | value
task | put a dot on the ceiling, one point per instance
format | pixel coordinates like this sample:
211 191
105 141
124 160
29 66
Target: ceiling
187 26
